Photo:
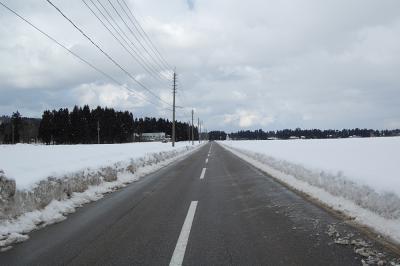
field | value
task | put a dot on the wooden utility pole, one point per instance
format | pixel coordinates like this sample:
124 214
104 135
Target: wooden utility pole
12 132
192 128
200 135
189 131
173 111
198 128
98 132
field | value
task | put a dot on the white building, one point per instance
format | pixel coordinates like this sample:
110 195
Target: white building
156 136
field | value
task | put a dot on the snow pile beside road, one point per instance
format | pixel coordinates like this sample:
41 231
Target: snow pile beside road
62 178
357 176
29 164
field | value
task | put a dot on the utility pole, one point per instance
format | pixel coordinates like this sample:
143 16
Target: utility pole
12 132
200 136
189 131
98 132
173 111
192 128
198 127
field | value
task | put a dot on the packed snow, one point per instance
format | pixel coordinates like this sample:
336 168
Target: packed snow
358 176
52 181
29 164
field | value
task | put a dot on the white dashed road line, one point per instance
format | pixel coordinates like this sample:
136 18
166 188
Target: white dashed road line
180 248
203 173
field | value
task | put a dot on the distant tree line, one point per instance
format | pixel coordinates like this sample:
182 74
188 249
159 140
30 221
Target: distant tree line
150 125
79 126
312 133
216 135
17 129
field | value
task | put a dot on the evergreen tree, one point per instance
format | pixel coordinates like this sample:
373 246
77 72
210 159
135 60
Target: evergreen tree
16 124
46 127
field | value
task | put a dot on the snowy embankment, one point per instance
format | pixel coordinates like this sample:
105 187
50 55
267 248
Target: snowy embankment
40 184
358 176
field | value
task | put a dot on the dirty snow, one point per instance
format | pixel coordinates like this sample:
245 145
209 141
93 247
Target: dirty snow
130 162
28 164
357 176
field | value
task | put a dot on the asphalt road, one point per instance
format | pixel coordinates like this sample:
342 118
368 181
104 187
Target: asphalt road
208 209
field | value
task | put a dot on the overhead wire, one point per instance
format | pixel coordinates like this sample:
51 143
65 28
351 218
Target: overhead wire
135 93
168 66
137 58
120 31
106 54
160 63
137 39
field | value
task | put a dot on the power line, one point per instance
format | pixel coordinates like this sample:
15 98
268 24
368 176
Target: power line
181 95
134 35
106 54
137 39
132 45
135 93
141 34
147 37
137 58
173 111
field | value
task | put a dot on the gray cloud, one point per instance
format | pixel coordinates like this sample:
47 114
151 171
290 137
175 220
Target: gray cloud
241 64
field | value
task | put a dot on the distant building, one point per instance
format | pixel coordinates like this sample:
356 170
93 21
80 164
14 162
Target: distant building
156 136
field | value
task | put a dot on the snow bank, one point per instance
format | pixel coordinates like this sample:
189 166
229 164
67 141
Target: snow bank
62 178
29 164
357 176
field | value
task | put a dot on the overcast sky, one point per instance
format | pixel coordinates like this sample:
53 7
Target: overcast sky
241 64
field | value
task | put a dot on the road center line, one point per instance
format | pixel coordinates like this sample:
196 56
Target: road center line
206 160
180 248
203 173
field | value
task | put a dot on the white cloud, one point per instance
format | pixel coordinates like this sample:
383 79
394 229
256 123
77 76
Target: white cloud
248 118
108 95
256 63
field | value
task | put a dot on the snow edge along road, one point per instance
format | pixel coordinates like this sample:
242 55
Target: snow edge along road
370 222
16 230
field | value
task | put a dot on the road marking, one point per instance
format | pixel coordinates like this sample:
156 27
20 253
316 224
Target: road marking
180 248
202 173
207 161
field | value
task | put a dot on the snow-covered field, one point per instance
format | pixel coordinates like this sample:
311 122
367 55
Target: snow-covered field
358 176
40 184
28 164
